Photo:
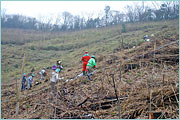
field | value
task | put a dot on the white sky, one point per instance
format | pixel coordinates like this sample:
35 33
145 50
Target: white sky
52 8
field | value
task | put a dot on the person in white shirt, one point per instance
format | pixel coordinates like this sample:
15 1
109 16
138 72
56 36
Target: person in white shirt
30 81
53 81
42 73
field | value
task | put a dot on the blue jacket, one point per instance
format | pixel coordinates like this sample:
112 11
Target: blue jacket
24 79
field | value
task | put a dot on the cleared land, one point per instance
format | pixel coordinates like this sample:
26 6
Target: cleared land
152 75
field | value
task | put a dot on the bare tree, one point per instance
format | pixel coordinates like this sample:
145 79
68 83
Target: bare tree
57 23
107 9
67 19
139 12
48 22
76 22
130 13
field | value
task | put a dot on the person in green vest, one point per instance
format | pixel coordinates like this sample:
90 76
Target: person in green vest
91 66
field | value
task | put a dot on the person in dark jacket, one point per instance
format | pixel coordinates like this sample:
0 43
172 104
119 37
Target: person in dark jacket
23 82
59 66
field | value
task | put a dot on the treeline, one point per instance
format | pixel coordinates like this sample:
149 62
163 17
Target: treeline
68 22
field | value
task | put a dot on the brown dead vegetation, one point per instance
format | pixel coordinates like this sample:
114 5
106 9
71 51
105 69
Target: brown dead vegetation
149 85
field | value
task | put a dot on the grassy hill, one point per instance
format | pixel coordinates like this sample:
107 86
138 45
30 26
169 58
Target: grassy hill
43 49
149 77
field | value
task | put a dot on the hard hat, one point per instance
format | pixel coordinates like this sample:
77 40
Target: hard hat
33 75
86 52
92 56
59 62
54 67
24 74
58 70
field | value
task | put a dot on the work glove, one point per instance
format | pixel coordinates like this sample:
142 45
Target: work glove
61 67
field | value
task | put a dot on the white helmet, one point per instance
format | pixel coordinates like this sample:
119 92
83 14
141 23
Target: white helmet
59 62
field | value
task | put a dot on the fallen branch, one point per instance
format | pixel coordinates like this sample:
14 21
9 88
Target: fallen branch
83 101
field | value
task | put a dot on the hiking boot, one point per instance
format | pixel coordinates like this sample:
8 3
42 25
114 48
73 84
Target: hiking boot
84 72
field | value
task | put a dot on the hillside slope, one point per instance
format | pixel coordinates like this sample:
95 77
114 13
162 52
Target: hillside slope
43 49
149 84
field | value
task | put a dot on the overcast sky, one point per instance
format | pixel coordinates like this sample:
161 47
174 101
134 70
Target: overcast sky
52 8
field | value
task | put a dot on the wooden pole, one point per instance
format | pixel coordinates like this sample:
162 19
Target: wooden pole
19 86
55 107
163 79
103 80
115 90
120 71
114 85
162 91
122 43
151 116
16 84
153 71
119 109
102 84
150 107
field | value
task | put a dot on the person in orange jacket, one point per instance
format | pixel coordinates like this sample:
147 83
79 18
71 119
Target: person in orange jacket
85 60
